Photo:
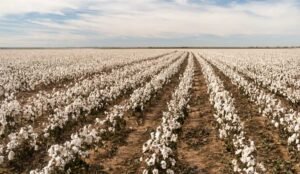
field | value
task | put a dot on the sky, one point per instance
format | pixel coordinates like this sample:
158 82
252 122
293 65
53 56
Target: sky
125 23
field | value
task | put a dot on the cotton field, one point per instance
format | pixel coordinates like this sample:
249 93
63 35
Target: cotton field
150 111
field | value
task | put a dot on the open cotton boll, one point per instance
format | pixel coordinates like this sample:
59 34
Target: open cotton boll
11 155
163 164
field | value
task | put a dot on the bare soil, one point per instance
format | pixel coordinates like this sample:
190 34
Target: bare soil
198 151
125 157
271 150
199 148
37 159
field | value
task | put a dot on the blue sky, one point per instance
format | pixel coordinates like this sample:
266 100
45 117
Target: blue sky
68 23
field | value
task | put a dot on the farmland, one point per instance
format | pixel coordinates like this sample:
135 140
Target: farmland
150 111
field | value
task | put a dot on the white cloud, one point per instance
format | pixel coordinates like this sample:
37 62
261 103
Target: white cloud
11 7
157 19
154 18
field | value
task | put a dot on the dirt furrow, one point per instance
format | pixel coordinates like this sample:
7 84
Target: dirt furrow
270 149
37 159
199 148
39 121
123 156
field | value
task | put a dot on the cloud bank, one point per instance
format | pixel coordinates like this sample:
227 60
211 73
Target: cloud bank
149 23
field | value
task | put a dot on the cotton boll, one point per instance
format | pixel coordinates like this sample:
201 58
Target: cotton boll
11 155
169 171
152 134
151 161
59 161
163 164
262 167
155 171
36 147
292 138
238 151
250 170
173 161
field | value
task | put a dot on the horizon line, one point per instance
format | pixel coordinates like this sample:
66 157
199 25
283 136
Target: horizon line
161 47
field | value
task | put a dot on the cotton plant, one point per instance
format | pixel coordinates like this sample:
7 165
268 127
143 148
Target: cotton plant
95 100
158 153
277 74
230 125
45 68
16 143
280 116
97 132
9 110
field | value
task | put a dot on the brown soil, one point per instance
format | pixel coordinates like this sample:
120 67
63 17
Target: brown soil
23 97
37 159
270 149
124 157
199 148
284 100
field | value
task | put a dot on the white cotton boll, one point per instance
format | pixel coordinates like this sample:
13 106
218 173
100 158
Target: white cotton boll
111 129
152 134
276 124
155 171
250 170
89 140
173 161
235 166
145 147
75 149
292 138
157 134
36 147
273 121
169 171
151 161
165 152
163 164
174 138
145 171
238 151
262 167
222 134
281 120
11 155
296 128
58 161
